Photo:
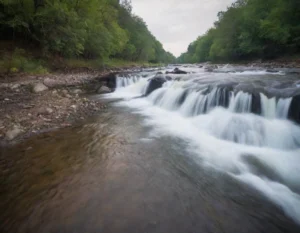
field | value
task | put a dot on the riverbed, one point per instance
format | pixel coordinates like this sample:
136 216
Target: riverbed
198 154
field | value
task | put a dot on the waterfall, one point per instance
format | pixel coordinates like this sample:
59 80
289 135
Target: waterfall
283 107
182 96
231 123
275 109
241 102
126 81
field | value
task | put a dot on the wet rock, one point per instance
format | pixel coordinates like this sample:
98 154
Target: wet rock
294 112
109 80
39 87
104 90
13 133
177 71
256 104
155 83
209 69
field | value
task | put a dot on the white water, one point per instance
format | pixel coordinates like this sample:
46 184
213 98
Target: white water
260 150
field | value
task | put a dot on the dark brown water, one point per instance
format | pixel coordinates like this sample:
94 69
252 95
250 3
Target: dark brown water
101 177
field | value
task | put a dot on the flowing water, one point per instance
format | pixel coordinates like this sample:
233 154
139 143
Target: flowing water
206 152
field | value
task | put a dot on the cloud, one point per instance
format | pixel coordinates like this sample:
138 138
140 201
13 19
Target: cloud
176 23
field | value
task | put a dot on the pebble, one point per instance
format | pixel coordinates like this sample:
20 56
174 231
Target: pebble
44 111
15 86
77 91
49 110
13 133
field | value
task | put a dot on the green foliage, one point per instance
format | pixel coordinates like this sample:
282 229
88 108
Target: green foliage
19 61
250 29
93 29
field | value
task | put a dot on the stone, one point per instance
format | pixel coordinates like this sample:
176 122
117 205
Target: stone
155 83
13 133
104 90
49 110
65 91
45 111
73 106
15 86
294 111
49 82
77 91
39 87
177 71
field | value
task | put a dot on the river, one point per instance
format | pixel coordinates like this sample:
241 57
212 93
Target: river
206 152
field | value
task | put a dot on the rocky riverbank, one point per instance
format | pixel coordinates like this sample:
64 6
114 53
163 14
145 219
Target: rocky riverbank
35 104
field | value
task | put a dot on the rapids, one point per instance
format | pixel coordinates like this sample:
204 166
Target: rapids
238 120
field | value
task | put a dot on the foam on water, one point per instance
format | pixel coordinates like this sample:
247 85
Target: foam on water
260 150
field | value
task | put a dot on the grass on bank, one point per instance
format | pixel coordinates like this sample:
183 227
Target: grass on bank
23 61
19 61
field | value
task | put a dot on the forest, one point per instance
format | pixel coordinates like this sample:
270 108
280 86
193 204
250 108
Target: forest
248 30
85 29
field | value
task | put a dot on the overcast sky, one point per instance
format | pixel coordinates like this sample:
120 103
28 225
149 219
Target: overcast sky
176 23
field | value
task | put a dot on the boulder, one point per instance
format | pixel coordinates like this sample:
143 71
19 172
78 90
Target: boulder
39 87
104 90
13 133
155 83
210 68
294 112
177 71
109 80
49 82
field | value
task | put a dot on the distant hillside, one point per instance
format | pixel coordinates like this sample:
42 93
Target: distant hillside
249 29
